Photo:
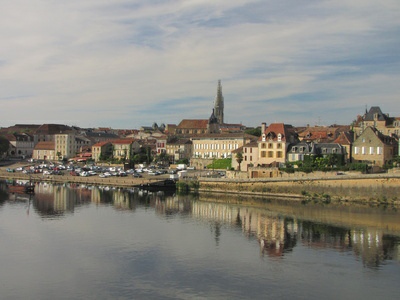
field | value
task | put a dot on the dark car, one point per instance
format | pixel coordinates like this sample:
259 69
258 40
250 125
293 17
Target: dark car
137 175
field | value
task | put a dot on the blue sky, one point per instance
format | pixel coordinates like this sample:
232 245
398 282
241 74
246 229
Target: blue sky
129 63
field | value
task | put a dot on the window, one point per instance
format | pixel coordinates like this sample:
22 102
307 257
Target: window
270 153
279 154
279 137
263 145
279 146
371 150
363 151
356 150
379 150
270 146
263 154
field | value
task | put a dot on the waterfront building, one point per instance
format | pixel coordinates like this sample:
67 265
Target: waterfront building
375 118
101 150
44 151
124 148
274 142
68 144
179 148
374 147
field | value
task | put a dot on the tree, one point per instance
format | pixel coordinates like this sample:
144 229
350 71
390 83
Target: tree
239 158
4 145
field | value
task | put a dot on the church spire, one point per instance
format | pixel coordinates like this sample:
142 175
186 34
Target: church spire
219 104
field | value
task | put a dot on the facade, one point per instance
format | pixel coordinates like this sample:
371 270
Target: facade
161 144
101 149
374 147
124 148
44 151
298 151
192 127
249 154
21 144
178 149
67 145
376 118
217 146
274 142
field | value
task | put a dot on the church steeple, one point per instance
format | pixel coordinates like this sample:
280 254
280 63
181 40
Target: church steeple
219 104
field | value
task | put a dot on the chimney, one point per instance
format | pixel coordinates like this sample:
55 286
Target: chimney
263 127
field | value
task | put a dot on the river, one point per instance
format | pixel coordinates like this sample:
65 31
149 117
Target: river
86 242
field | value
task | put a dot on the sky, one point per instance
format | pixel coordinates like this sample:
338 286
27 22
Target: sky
130 63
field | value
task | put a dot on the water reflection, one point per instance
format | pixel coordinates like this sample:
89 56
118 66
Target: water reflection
277 227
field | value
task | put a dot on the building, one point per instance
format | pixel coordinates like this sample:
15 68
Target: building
375 118
274 142
249 155
21 144
101 150
68 144
179 148
374 147
44 151
124 149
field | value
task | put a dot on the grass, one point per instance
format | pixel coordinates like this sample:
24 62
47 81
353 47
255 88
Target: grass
223 164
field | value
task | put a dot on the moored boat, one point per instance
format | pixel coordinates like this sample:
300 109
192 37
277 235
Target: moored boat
14 186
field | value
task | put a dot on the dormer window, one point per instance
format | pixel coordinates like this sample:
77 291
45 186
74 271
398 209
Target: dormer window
263 137
279 137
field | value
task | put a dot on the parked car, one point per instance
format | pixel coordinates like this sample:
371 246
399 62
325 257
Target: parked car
137 175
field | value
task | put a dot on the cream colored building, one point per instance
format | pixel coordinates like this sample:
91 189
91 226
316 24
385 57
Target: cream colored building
273 143
68 144
44 151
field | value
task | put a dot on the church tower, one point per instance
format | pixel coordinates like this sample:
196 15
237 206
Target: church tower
219 104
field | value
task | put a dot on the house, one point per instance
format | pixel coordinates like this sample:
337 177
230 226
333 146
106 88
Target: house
44 151
298 151
374 147
68 144
179 148
21 144
389 126
274 142
346 139
249 155
101 151
212 146
124 148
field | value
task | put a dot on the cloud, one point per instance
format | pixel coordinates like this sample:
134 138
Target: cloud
130 63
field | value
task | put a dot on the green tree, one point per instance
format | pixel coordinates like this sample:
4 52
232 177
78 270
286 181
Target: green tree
4 145
239 158
254 131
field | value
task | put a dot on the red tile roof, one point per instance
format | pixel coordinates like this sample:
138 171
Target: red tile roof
189 124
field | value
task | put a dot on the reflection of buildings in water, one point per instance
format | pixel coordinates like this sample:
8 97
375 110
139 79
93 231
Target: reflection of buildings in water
53 200
277 234
374 247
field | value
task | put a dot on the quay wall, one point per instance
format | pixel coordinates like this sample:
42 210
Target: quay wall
357 188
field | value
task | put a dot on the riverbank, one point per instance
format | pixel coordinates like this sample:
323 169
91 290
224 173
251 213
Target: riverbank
359 188
362 188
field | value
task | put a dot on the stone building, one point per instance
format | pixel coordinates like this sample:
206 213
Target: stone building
274 142
374 147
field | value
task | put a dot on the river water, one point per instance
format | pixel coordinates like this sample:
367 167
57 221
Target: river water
82 242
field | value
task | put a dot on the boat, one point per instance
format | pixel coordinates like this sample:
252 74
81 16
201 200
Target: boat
20 186
164 185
